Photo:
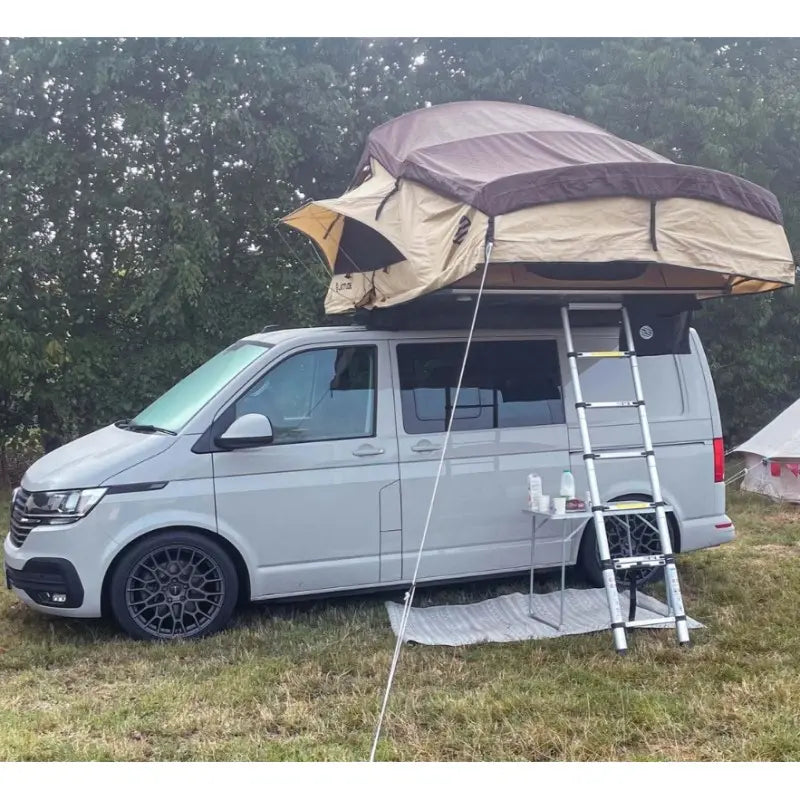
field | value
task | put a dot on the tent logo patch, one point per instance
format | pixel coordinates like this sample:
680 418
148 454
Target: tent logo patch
646 332
462 230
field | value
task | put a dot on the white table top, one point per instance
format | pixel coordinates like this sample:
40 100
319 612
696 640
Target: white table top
587 514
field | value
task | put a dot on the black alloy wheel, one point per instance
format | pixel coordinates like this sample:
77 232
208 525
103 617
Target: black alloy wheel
174 585
634 535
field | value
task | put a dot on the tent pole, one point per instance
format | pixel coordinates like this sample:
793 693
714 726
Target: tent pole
409 597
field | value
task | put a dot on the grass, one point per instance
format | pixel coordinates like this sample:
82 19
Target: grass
302 681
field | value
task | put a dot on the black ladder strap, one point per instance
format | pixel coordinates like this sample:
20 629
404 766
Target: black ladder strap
632 591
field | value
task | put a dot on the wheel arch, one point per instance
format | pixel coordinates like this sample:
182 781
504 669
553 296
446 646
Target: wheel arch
239 563
672 519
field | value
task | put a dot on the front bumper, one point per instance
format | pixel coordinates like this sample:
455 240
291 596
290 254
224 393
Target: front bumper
91 544
68 560
50 582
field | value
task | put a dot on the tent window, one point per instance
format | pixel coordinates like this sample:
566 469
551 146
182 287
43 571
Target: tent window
506 385
362 248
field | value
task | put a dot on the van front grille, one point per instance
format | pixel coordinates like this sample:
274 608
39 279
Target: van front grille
21 525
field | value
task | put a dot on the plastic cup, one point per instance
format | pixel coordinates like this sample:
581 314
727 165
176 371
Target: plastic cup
560 505
544 504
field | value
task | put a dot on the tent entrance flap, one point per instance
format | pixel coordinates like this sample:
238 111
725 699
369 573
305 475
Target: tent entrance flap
363 249
347 244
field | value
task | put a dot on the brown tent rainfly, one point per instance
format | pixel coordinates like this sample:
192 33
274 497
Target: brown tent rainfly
568 206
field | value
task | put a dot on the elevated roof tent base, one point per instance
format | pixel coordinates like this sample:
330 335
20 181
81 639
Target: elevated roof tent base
449 309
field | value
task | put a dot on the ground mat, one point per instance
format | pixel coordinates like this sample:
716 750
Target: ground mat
506 618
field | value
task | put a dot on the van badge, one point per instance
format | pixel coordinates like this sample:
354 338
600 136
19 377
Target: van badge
646 332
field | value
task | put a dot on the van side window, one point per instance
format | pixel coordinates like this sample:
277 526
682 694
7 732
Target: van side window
506 385
317 395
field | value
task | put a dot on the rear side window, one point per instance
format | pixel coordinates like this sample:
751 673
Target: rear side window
506 385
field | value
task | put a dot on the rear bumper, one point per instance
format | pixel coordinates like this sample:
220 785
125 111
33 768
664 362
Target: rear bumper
697 534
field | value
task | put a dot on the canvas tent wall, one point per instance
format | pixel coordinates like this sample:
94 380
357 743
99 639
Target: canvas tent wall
567 205
772 457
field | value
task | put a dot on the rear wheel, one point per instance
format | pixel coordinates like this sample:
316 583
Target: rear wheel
174 585
627 536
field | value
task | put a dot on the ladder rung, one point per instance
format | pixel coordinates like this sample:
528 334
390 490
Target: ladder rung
629 505
601 354
645 623
610 403
594 306
631 562
621 454
624 512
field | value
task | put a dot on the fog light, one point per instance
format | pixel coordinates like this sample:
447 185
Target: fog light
58 598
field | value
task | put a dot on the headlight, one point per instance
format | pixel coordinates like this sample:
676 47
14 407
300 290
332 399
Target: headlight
61 508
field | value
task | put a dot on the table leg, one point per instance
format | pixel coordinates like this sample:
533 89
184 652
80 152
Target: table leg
564 540
533 556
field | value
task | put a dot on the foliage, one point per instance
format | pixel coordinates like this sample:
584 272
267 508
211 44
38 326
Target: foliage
139 184
141 181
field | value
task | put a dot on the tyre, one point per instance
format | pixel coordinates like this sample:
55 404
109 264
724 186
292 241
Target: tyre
173 585
641 538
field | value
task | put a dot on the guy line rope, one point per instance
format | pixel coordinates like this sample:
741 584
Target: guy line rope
409 596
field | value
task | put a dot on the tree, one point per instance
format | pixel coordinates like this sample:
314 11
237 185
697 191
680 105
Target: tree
141 181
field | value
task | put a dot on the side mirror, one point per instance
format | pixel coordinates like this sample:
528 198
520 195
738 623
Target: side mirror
249 430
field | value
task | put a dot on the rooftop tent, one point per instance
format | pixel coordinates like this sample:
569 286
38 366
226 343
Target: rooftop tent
772 457
569 206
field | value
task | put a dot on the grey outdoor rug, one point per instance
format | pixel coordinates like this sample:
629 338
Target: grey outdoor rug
505 618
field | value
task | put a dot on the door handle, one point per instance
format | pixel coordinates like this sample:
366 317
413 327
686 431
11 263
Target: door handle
368 450
425 446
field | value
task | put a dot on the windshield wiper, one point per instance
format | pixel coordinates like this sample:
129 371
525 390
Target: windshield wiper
128 425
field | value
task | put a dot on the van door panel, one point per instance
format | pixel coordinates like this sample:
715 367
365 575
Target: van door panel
312 508
477 524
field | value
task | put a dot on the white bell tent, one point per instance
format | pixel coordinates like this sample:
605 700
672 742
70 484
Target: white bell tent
772 457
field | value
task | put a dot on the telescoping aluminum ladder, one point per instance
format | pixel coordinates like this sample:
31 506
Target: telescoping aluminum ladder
601 510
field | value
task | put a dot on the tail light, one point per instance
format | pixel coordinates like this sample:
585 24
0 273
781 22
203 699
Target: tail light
719 460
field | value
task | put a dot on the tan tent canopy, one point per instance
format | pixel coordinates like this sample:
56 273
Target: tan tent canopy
568 206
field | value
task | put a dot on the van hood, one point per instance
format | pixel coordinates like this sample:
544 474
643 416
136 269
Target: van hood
93 459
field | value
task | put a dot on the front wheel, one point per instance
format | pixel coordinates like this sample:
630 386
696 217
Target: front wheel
173 585
639 537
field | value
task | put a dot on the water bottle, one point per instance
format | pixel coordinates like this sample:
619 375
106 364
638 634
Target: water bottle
567 485
534 491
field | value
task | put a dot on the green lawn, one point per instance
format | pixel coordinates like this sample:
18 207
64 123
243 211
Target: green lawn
303 681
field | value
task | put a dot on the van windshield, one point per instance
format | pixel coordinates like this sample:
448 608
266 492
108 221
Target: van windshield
179 404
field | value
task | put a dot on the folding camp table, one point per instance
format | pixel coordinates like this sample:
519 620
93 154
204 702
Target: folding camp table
571 523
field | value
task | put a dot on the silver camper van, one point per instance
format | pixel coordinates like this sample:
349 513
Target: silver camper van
301 462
